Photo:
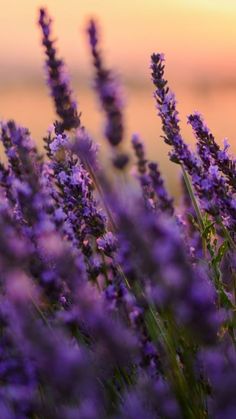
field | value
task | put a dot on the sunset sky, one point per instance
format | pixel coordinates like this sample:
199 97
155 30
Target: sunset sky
197 36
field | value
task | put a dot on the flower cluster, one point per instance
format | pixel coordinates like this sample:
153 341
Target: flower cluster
114 302
208 180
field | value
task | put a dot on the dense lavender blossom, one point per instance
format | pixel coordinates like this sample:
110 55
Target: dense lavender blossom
76 186
113 302
209 150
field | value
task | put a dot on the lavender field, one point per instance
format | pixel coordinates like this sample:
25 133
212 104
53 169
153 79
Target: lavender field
117 299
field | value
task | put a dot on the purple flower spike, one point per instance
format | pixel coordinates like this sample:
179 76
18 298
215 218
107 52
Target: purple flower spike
166 105
152 184
65 105
140 154
107 90
164 202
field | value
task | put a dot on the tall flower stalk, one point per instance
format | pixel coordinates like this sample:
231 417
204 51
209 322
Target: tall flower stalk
110 99
57 78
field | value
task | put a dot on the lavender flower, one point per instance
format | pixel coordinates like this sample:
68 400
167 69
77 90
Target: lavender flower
166 105
144 179
140 154
210 151
57 80
107 90
164 203
110 99
152 184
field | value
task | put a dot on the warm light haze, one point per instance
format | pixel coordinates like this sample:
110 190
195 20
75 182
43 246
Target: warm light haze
198 36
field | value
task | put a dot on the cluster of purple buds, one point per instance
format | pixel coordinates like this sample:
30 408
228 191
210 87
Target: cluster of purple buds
210 151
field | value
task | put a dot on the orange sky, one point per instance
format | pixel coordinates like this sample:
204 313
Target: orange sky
198 36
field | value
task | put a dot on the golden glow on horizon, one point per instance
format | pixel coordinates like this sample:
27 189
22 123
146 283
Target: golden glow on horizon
198 38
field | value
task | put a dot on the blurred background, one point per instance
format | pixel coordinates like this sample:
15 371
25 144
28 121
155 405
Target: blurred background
198 38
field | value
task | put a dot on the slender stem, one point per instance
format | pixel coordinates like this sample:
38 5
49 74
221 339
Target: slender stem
227 235
193 199
195 206
40 313
100 191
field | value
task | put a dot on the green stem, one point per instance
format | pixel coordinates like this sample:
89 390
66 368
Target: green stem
196 207
193 199
227 235
40 313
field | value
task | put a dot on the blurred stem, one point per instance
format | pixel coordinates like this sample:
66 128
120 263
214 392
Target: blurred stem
100 191
39 311
184 388
105 274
